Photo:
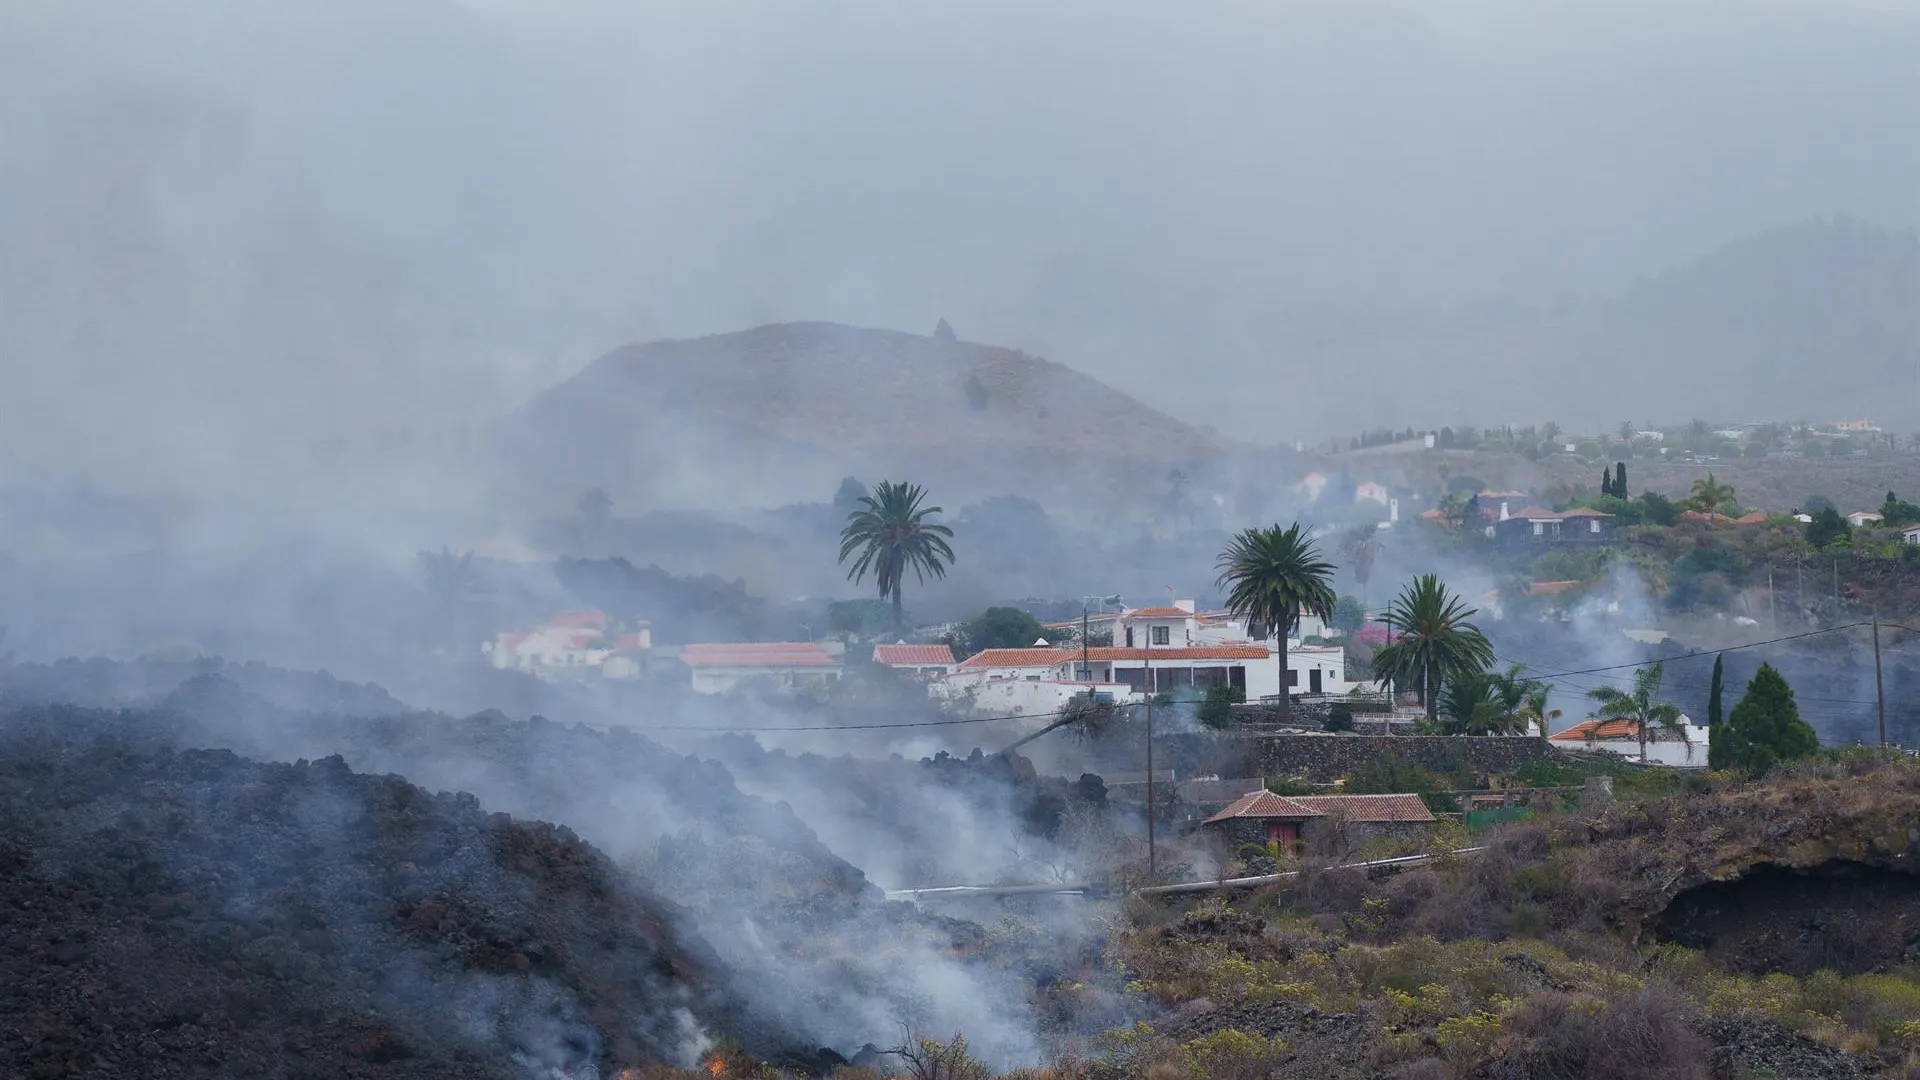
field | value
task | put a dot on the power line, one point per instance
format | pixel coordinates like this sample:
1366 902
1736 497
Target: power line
1688 656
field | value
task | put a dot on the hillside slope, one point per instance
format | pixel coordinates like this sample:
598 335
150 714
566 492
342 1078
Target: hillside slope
788 409
1815 321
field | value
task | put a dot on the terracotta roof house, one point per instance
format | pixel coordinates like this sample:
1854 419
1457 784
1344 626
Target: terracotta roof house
918 659
720 667
1262 817
1911 534
1862 518
1684 749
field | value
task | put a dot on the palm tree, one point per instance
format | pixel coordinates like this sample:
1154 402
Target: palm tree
1710 494
1490 703
892 535
1271 576
1536 711
1550 432
1642 705
1433 643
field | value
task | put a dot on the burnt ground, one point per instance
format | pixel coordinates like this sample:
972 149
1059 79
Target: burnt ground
1845 916
813 946
189 913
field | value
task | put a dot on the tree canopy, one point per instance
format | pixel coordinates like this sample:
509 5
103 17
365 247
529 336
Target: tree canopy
890 534
1434 644
995 628
1271 576
1763 729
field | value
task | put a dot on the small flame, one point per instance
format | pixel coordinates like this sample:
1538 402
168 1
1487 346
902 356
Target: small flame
716 1065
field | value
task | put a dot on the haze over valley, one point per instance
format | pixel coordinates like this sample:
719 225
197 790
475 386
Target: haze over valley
1067 541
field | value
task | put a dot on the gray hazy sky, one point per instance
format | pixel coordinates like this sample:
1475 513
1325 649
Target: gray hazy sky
231 229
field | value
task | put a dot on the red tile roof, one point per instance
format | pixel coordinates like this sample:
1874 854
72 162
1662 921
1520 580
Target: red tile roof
627 641
1585 512
1360 809
757 654
986 658
1550 588
589 619
1264 804
991 658
1604 729
1369 809
904 655
1536 513
1157 613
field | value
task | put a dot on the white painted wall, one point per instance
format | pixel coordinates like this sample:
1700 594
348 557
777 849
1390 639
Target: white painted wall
721 679
1691 754
1018 697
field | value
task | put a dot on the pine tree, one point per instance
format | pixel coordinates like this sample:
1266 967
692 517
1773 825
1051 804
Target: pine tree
1606 481
1764 728
1620 481
1714 692
943 331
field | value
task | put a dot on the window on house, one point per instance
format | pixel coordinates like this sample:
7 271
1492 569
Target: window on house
1539 528
1593 526
1162 635
1129 637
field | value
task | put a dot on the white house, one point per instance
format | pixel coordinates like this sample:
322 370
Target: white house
1157 649
1862 518
719 668
1685 749
573 645
924 660
1911 534
1370 491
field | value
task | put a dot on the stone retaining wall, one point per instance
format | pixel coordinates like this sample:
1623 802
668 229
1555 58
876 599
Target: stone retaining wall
1324 758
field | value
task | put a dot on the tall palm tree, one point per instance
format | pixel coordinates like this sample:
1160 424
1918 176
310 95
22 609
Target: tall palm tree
1433 643
1271 576
1642 705
892 535
1710 494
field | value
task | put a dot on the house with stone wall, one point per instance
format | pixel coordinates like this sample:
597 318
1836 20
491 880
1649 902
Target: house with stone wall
1300 822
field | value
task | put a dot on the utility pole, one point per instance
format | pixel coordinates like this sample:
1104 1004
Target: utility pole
1773 609
1086 666
1147 662
1879 686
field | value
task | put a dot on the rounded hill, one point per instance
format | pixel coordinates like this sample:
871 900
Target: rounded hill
797 405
